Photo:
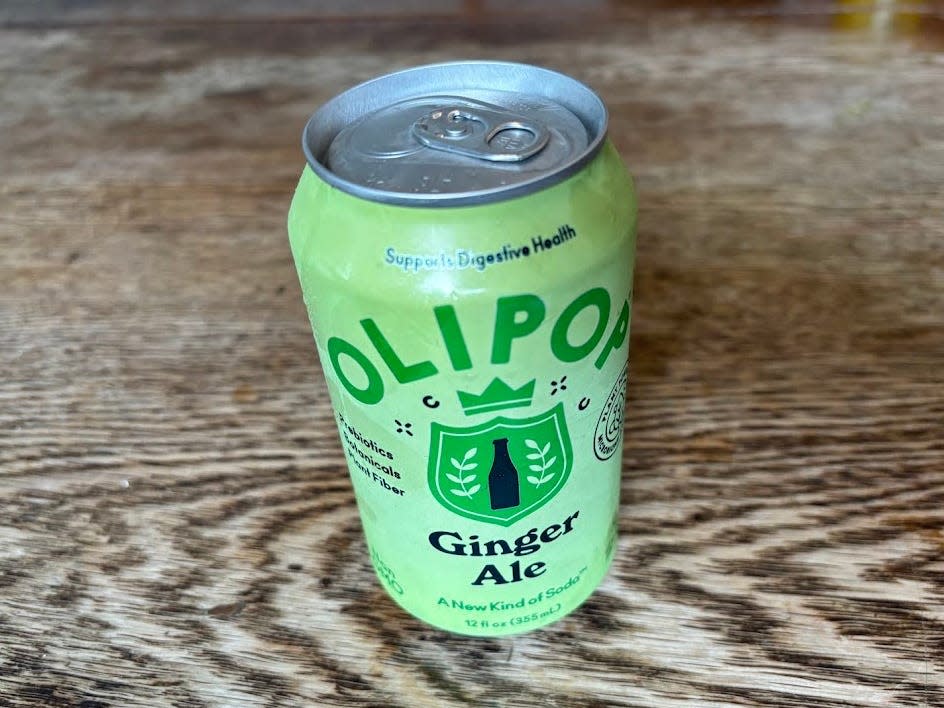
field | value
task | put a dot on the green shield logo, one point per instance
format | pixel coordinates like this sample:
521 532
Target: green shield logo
502 470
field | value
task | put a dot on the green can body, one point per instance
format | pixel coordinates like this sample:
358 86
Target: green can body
476 359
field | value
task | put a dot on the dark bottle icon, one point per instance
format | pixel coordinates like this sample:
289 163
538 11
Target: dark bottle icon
503 478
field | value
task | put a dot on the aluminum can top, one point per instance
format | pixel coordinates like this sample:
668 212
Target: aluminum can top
455 134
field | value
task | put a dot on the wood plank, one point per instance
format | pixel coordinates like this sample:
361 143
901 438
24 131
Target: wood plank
177 525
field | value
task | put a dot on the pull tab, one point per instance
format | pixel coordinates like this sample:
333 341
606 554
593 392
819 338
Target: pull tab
484 133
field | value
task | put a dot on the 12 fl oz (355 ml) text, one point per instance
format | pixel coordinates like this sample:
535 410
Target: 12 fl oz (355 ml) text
515 621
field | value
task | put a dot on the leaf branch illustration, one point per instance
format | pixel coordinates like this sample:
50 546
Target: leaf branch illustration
466 464
542 465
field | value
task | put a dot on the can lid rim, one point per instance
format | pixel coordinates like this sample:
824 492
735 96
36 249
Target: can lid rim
359 100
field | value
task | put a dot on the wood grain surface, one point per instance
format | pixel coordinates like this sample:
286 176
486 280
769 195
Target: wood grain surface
176 523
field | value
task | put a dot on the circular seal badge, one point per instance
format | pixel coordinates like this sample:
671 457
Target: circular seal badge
606 437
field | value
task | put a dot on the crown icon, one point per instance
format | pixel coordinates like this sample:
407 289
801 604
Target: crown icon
497 396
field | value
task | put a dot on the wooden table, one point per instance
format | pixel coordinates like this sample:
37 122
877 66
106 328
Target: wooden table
176 523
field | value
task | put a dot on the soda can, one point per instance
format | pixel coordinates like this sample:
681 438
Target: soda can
464 236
